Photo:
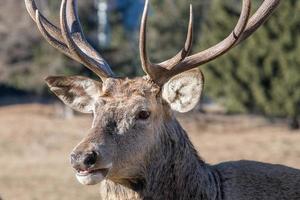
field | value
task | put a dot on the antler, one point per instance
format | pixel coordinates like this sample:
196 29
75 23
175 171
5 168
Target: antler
162 72
153 69
69 39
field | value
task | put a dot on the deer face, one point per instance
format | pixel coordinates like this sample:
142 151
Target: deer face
128 114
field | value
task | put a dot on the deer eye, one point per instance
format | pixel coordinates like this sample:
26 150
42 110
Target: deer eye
143 115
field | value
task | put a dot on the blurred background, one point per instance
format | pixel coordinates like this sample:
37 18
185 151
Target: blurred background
250 107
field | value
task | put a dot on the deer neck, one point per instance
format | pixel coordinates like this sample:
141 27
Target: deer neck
174 170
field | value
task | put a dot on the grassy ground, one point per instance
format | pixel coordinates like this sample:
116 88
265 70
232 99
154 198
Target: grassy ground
35 146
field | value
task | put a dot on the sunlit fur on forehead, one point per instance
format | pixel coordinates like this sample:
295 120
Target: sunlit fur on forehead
126 87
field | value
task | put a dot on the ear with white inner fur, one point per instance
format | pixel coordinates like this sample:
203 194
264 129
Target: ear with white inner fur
80 93
183 91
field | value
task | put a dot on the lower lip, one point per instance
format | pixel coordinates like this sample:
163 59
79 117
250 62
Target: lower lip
92 178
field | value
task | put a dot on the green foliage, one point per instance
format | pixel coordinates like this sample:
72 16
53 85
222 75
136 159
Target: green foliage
262 75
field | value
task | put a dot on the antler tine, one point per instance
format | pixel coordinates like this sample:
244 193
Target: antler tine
49 31
153 70
146 64
51 28
181 55
211 53
74 37
259 17
54 42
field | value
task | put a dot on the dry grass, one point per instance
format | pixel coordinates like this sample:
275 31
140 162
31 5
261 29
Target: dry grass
34 148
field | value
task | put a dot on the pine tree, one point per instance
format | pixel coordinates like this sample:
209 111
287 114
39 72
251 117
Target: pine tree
262 75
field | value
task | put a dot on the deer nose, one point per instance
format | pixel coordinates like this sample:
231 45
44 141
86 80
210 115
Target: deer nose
83 160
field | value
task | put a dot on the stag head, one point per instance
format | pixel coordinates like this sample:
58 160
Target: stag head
129 113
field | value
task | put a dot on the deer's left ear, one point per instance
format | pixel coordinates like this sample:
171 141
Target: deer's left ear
80 93
183 91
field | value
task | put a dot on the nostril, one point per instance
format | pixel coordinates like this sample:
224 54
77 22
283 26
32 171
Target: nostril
90 158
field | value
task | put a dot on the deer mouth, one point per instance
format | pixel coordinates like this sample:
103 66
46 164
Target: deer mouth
91 177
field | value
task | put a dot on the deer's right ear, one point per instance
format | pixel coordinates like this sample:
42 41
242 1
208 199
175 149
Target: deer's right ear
80 93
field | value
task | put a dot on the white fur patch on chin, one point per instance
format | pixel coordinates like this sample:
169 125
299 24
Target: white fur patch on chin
183 91
90 179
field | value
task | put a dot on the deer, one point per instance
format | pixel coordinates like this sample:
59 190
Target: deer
135 148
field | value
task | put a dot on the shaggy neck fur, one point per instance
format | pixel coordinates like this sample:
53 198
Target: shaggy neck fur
175 171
